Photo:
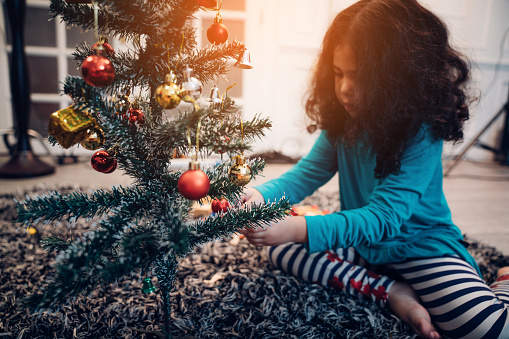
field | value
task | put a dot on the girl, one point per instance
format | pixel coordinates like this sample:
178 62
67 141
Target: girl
387 91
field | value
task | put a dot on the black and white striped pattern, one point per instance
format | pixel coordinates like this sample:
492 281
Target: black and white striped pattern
460 303
343 269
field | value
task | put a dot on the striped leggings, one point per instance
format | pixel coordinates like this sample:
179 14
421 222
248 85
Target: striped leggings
459 302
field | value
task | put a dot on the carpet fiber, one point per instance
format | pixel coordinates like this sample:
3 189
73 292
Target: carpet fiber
224 290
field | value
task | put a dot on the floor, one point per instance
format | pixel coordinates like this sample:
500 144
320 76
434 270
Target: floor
478 193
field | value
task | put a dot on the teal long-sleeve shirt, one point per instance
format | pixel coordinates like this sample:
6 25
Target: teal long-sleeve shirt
402 216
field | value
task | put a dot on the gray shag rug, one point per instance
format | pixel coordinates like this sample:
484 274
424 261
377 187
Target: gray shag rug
224 290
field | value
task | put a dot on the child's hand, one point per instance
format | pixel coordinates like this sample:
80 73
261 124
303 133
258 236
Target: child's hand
286 230
290 229
251 195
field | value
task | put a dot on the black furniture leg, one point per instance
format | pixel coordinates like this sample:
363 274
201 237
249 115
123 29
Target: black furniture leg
23 162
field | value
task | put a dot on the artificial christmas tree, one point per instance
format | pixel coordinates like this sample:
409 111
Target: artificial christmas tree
145 227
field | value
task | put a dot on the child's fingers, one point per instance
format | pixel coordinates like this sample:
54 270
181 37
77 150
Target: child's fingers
249 230
254 240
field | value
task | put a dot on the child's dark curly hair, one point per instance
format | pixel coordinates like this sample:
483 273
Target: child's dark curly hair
407 75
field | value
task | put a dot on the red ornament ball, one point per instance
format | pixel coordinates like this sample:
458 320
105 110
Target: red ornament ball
103 162
194 184
220 205
107 48
136 116
113 168
217 33
97 71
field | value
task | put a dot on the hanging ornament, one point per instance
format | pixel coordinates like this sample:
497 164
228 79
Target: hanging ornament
107 49
96 70
244 60
103 161
31 230
123 104
147 286
191 87
214 96
168 94
220 205
113 168
240 173
194 183
69 126
93 139
217 33
136 116
210 4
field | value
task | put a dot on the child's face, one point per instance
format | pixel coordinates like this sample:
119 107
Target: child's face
345 67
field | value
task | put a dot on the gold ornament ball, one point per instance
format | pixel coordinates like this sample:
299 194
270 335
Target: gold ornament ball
240 173
168 95
122 105
94 139
31 230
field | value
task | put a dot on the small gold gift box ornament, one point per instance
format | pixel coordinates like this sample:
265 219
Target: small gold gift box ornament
69 126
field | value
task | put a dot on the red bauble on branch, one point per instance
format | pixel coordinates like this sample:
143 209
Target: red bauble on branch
194 183
103 161
107 48
220 205
217 33
136 116
96 70
113 168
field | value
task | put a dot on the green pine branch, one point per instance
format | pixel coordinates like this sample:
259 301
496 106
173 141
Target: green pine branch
212 133
129 19
221 185
225 225
54 244
80 267
54 206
